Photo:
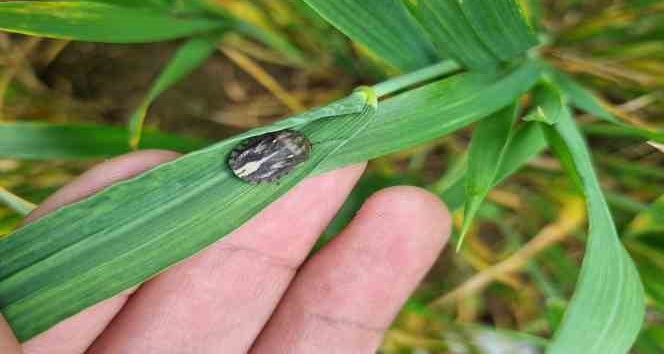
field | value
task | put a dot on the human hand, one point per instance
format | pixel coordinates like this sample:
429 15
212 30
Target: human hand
255 290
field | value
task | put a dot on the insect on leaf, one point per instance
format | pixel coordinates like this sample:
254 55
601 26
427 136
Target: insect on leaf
134 229
91 250
187 58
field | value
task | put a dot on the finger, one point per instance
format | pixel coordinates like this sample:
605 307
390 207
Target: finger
76 333
222 297
345 296
8 342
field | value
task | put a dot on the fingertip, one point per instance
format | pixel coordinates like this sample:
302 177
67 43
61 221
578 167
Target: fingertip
415 216
8 342
347 294
335 177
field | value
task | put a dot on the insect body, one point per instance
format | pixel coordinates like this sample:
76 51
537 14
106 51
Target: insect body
268 157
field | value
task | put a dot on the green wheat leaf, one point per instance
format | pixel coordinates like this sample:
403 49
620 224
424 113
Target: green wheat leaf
94 257
93 249
15 202
607 309
487 148
588 102
99 21
187 58
528 141
385 27
477 33
28 140
548 102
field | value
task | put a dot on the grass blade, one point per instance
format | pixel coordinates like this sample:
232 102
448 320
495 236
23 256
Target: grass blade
99 22
548 103
248 21
24 140
160 4
643 240
404 81
101 249
588 102
487 148
404 120
453 35
477 33
528 141
187 58
386 27
15 202
607 309
99 259
502 25
434 110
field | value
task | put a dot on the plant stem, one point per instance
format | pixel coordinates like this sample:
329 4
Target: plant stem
15 202
401 82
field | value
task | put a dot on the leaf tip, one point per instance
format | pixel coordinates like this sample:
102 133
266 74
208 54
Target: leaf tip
370 95
470 210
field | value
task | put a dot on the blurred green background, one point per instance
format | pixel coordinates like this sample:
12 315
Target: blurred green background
492 292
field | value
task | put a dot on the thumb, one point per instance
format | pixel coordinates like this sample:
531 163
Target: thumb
8 342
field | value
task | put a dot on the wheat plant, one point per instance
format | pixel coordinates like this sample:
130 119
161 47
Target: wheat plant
449 65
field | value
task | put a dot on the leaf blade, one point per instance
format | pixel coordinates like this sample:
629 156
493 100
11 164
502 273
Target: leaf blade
487 148
98 22
477 33
468 98
34 297
587 101
195 187
15 202
374 24
187 58
32 141
607 308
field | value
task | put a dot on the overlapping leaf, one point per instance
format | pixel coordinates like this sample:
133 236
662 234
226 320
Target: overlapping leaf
160 4
477 33
435 110
25 140
487 148
528 141
99 21
587 101
188 57
45 279
93 249
607 308
548 103
644 242
384 26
